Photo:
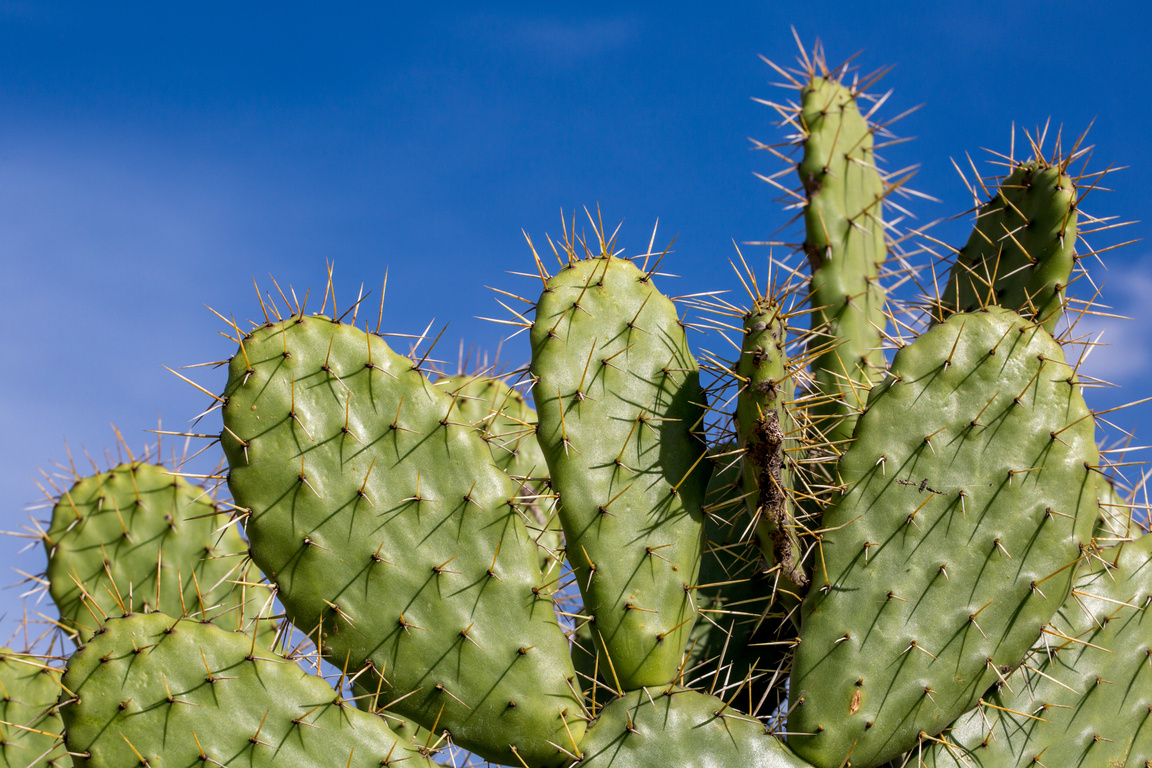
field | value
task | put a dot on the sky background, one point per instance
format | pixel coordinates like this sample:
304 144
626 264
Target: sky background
156 157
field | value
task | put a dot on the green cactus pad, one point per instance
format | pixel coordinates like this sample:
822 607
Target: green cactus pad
138 538
620 406
680 727
377 510
508 423
845 245
505 420
968 497
1085 698
155 691
30 733
766 428
406 730
1022 250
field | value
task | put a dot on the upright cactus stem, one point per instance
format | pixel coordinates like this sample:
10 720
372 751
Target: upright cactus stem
1022 249
621 411
766 429
845 245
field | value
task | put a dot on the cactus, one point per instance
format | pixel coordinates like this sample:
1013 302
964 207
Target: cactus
1085 694
844 241
618 581
153 690
763 422
620 408
30 734
1022 250
394 538
677 726
138 538
508 424
903 629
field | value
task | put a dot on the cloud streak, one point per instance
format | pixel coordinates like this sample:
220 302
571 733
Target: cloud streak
1124 357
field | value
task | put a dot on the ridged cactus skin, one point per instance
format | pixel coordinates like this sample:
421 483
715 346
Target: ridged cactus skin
845 244
969 495
620 408
29 735
766 429
152 690
391 534
1021 252
138 538
681 727
1085 695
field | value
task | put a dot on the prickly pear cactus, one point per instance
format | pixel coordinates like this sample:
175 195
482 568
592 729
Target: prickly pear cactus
1022 250
845 244
151 690
409 527
504 419
621 409
678 726
1084 697
508 424
394 540
138 538
969 494
766 429
30 728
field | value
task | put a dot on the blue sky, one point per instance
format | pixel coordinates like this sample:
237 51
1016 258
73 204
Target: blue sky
155 158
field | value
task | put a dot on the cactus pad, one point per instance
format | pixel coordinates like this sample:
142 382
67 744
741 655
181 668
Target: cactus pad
1086 696
620 405
150 690
969 495
676 726
29 735
1021 252
391 535
138 538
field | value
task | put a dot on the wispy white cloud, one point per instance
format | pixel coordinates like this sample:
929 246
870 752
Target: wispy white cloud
1126 352
565 41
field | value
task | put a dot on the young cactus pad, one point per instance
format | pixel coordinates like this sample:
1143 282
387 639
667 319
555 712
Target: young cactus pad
29 734
394 540
683 728
505 420
620 406
845 244
969 493
508 423
1085 696
138 538
1021 252
150 690
766 428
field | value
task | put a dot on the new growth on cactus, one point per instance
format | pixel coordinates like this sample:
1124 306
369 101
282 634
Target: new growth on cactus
877 528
